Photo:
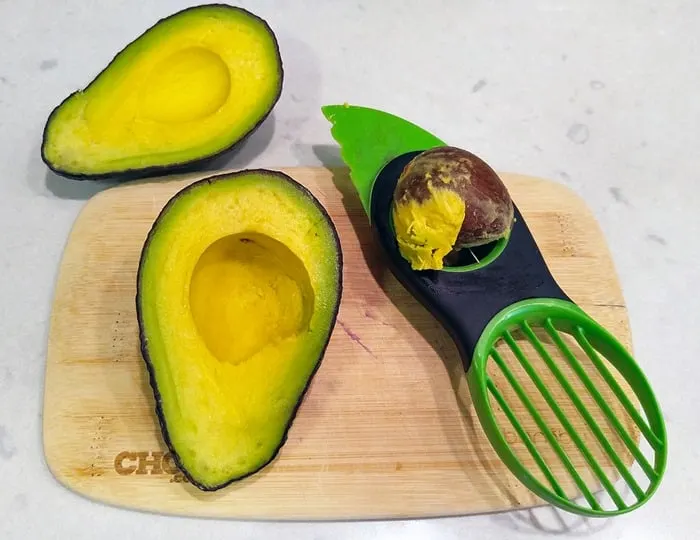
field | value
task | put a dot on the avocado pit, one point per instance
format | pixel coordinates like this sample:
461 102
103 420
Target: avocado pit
447 200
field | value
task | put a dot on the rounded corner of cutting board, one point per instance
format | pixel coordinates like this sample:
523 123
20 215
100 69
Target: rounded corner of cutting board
337 471
53 462
63 479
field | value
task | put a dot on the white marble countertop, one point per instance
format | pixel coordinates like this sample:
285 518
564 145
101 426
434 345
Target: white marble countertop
602 96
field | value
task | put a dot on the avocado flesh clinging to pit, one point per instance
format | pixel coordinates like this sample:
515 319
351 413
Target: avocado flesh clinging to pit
189 88
239 286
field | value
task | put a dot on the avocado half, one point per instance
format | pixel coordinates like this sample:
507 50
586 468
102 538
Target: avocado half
188 89
238 290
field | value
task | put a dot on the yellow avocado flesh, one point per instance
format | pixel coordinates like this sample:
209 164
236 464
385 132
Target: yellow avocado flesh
188 88
426 230
248 291
239 285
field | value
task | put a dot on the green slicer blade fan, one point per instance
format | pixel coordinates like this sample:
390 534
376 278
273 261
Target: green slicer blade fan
519 335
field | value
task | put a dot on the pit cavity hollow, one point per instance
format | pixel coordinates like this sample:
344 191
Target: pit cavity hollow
190 84
249 291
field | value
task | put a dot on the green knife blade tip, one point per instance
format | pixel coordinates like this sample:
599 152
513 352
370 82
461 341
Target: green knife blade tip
369 139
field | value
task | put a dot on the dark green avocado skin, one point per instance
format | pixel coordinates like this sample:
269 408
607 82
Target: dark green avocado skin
173 168
143 340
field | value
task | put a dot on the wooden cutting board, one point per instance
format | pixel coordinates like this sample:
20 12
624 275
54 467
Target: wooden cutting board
386 429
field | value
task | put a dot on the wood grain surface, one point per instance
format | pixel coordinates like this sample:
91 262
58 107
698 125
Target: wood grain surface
386 429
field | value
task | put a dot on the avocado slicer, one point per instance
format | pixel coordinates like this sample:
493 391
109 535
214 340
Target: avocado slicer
519 335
